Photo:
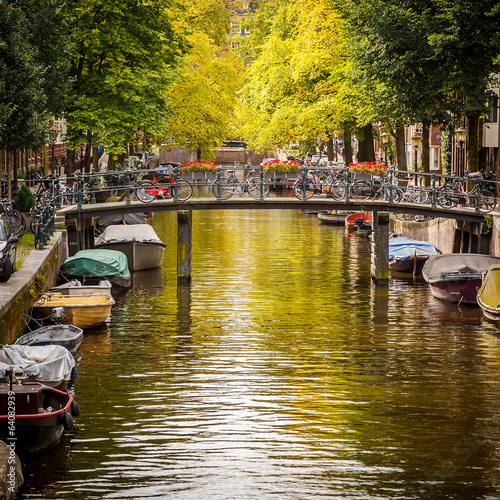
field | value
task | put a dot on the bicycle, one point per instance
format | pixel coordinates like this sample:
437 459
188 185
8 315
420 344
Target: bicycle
169 186
332 185
454 194
254 184
15 217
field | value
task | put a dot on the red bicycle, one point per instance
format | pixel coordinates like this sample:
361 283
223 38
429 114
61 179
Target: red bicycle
165 187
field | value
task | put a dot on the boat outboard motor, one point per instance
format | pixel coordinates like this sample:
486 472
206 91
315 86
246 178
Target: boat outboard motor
58 314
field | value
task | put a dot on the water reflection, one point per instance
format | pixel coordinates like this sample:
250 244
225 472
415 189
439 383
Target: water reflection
282 371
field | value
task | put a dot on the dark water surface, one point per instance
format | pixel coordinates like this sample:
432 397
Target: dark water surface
281 372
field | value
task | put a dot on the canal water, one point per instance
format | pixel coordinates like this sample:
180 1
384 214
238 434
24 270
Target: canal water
281 372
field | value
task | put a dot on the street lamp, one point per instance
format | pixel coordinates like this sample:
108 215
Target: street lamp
415 142
461 137
385 141
53 133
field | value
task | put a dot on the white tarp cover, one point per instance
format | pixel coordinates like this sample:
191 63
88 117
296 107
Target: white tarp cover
51 363
124 232
438 267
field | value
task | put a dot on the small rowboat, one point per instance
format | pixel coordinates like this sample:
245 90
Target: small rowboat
336 218
354 220
82 311
488 296
68 336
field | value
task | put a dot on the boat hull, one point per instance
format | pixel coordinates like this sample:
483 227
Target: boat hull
68 336
46 412
140 255
335 219
83 312
462 291
488 296
409 266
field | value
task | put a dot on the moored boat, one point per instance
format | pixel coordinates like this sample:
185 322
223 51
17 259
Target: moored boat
139 242
354 220
41 415
336 218
68 336
91 266
83 311
74 288
407 255
456 277
488 296
51 365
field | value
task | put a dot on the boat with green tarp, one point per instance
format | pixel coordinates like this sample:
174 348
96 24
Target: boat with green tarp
91 266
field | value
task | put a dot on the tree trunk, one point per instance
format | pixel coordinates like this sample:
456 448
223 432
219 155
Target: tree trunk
88 152
366 149
472 149
15 167
399 136
95 155
347 145
426 168
70 162
111 162
329 149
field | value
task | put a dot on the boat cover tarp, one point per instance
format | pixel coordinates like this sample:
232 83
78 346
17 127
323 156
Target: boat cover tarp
50 363
98 263
110 220
438 267
402 248
137 232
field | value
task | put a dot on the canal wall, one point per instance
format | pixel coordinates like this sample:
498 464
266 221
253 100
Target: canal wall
38 273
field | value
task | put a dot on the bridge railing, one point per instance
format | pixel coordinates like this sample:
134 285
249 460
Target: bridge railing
97 187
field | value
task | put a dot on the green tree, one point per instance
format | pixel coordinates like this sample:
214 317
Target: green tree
125 54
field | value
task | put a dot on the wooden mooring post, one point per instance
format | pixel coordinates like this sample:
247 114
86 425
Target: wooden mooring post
380 248
184 234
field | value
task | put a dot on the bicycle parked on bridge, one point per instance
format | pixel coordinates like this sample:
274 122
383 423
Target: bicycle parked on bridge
167 186
254 184
454 194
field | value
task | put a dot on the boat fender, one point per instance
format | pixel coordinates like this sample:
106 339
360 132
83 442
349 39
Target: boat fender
74 408
67 421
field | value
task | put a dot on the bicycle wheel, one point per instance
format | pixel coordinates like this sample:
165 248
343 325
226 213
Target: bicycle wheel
16 221
361 190
338 189
417 194
34 224
299 190
141 192
487 201
447 197
253 187
404 217
182 189
225 189
386 191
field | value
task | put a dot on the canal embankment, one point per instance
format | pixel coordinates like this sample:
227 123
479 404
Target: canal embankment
38 273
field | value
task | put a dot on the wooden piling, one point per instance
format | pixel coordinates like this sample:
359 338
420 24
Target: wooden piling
380 248
184 233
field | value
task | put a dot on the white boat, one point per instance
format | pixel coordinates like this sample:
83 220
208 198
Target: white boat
50 365
74 288
139 242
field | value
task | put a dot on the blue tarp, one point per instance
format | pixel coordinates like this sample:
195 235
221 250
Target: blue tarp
402 248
